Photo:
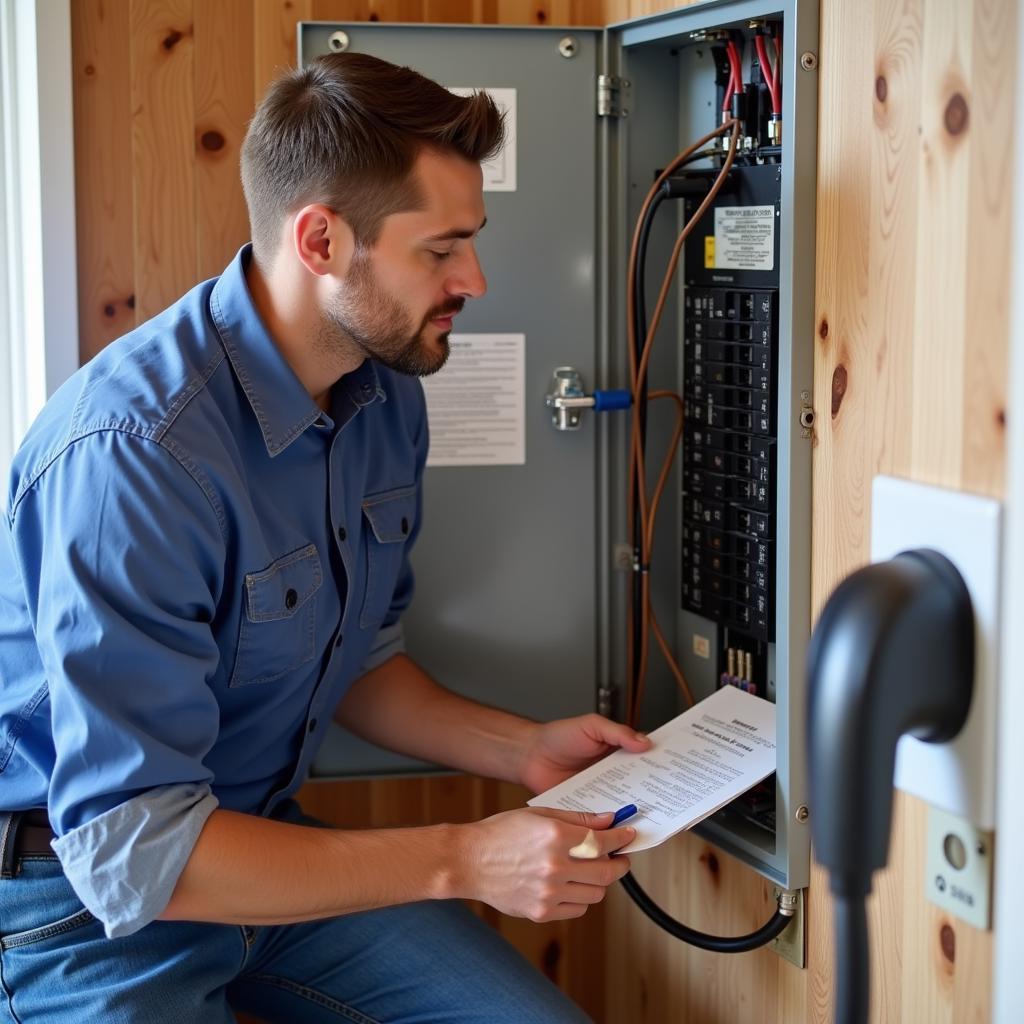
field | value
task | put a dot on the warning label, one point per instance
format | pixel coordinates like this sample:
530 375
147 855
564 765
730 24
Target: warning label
744 238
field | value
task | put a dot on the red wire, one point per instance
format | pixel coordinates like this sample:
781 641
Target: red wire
770 76
735 74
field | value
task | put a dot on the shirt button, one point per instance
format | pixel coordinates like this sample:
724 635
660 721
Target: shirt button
405 525
291 599
312 724
342 534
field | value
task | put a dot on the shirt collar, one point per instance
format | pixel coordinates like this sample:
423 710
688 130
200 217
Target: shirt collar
283 407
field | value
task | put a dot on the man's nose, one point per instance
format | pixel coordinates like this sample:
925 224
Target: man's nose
469 281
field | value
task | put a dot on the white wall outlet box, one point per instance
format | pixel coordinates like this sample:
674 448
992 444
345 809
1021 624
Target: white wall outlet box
958 776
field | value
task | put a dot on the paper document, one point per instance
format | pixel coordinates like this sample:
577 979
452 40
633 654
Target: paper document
699 761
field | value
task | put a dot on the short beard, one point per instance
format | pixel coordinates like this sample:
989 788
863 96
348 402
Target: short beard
364 315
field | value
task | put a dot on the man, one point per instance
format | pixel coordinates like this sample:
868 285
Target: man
204 554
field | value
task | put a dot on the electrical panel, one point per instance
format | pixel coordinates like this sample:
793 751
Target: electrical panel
598 113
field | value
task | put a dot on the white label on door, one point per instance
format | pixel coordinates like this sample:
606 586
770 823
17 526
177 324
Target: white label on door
476 405
500 170
744 237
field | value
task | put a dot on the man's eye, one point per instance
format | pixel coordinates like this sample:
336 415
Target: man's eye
440 255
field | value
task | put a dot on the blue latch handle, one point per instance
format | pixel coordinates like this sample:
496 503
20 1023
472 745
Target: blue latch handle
615 399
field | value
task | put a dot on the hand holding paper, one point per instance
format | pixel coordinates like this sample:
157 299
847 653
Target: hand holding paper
699 761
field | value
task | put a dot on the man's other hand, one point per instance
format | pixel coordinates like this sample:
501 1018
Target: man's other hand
558 750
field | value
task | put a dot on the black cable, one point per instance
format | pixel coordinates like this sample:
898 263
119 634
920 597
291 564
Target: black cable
853 971
713 943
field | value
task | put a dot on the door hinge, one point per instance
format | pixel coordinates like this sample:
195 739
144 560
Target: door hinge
608 104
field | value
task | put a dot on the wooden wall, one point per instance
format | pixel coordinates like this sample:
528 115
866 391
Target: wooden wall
913 247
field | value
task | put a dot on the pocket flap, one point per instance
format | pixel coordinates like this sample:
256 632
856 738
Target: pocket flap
281 589
391 515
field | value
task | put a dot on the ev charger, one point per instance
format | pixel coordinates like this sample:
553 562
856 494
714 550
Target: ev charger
958 776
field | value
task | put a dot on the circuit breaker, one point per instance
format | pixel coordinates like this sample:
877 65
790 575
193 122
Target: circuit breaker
524 562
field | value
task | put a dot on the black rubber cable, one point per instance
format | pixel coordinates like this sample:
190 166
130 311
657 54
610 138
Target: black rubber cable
713 943
853 972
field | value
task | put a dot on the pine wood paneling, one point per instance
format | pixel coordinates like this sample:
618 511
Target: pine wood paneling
103 172
224 70
163 152
274 38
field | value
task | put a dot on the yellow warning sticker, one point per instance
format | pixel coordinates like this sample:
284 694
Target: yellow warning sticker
709 252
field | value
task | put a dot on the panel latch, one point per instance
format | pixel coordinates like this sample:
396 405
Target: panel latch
567 398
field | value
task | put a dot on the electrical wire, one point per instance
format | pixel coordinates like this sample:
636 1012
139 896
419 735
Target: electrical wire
735 75
774 926
641 520
770 74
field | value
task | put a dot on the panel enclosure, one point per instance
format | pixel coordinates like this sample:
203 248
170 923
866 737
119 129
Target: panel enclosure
671 75
522 600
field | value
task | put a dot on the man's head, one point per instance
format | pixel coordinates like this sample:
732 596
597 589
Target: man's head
370 174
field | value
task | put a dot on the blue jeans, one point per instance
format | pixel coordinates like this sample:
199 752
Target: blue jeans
423 963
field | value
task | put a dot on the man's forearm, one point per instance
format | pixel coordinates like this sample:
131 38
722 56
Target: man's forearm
398 706
250 870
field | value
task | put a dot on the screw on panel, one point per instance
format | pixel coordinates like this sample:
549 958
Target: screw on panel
338 41
802 813
808 61
568 47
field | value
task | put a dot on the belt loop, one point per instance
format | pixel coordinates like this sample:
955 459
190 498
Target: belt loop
9 823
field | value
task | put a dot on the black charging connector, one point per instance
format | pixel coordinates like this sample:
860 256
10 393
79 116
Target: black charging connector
892 655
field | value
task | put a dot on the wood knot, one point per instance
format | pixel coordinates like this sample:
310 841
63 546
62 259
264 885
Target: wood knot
541 17
881 88
947 942
823 329
711 862
109 310
1001 419
89 70
956 115
172 39
840 381
550 958
211 141
373 16
130 302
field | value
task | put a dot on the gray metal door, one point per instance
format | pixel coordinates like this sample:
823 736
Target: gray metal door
505 608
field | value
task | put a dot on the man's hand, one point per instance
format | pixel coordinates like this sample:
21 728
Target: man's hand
519 862
558 750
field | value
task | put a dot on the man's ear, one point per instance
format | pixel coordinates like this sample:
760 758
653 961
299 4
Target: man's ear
323 241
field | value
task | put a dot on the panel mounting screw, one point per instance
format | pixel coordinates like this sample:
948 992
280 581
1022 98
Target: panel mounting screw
568 47
338 41
802 813
808 61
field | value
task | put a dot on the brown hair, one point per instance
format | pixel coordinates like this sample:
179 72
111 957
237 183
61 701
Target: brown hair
345 131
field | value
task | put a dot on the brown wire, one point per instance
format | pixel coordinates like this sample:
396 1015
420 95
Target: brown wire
637 467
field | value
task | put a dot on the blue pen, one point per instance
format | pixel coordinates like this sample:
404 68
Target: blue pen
622 814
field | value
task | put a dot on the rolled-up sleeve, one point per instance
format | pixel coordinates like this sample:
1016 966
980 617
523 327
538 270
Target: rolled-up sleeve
122 554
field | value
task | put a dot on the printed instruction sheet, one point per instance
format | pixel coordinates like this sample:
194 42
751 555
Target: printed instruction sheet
699 761
476 405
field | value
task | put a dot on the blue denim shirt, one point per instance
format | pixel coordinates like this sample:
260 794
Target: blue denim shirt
195 564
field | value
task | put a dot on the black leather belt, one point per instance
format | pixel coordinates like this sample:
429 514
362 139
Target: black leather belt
24 834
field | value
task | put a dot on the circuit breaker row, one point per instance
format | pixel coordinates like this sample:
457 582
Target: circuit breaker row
729 458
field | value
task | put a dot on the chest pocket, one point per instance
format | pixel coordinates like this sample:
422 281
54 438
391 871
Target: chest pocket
278 623
390 517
